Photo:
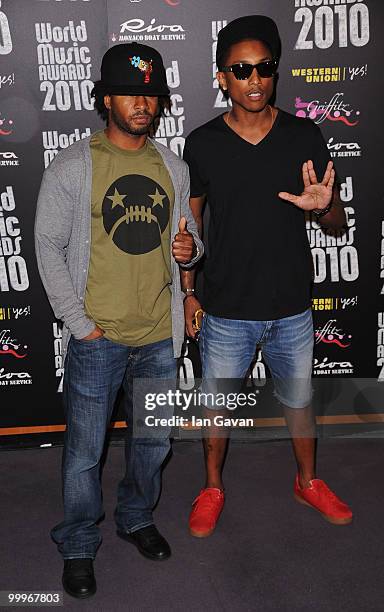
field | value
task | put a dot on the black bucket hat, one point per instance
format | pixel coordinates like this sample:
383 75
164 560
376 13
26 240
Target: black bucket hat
133 70
258 27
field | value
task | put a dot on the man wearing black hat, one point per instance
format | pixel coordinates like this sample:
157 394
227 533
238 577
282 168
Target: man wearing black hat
113 224
248 163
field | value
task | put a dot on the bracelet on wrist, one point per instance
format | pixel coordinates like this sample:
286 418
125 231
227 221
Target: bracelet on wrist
321 213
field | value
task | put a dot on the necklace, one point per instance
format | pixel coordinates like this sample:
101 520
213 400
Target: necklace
227 118
272 116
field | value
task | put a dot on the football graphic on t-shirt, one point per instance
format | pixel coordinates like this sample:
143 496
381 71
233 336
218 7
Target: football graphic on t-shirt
135 213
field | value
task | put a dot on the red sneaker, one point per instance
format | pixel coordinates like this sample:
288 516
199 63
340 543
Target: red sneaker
205 512
321 498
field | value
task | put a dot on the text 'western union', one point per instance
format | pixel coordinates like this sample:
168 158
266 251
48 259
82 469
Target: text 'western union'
320 75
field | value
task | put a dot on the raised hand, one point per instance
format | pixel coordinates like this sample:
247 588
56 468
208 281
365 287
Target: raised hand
183 244
316 196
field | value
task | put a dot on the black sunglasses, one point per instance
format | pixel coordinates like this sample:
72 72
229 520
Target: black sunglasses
243 71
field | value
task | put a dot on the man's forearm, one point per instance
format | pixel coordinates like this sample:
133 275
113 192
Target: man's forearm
58 285
335 218
187 279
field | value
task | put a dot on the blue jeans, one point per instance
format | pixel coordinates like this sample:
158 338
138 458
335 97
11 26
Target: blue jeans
95 370
227 347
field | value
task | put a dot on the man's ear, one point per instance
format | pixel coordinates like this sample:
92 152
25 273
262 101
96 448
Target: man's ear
222 79
107 101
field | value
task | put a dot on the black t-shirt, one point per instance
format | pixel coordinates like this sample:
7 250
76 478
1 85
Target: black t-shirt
259 264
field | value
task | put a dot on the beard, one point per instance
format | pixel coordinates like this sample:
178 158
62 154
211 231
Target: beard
128 126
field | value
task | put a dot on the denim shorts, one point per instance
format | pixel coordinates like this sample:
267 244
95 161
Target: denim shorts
228 346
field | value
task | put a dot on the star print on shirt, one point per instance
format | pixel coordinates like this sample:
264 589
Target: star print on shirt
157 198
136 221
117 199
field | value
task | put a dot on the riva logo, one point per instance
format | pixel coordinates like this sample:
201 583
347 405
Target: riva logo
8 158
14 378
138 25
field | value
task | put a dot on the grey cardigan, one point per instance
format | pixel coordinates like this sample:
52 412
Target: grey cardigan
63 236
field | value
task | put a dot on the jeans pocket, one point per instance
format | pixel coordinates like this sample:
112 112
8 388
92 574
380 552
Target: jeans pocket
90 341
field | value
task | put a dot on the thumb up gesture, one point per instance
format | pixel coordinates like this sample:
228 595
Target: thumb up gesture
183 244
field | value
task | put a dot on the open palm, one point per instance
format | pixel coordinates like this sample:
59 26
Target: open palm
316 196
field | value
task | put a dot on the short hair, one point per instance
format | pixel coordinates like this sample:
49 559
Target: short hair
223 59
99 91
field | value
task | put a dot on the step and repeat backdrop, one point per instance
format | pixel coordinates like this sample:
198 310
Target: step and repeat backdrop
330 71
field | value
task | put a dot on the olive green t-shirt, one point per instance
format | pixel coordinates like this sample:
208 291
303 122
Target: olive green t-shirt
128 287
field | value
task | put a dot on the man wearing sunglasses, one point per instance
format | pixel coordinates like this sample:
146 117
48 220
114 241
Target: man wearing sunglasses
248 164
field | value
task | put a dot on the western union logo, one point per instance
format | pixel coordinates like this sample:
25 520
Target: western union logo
5 314
321 75
328 303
